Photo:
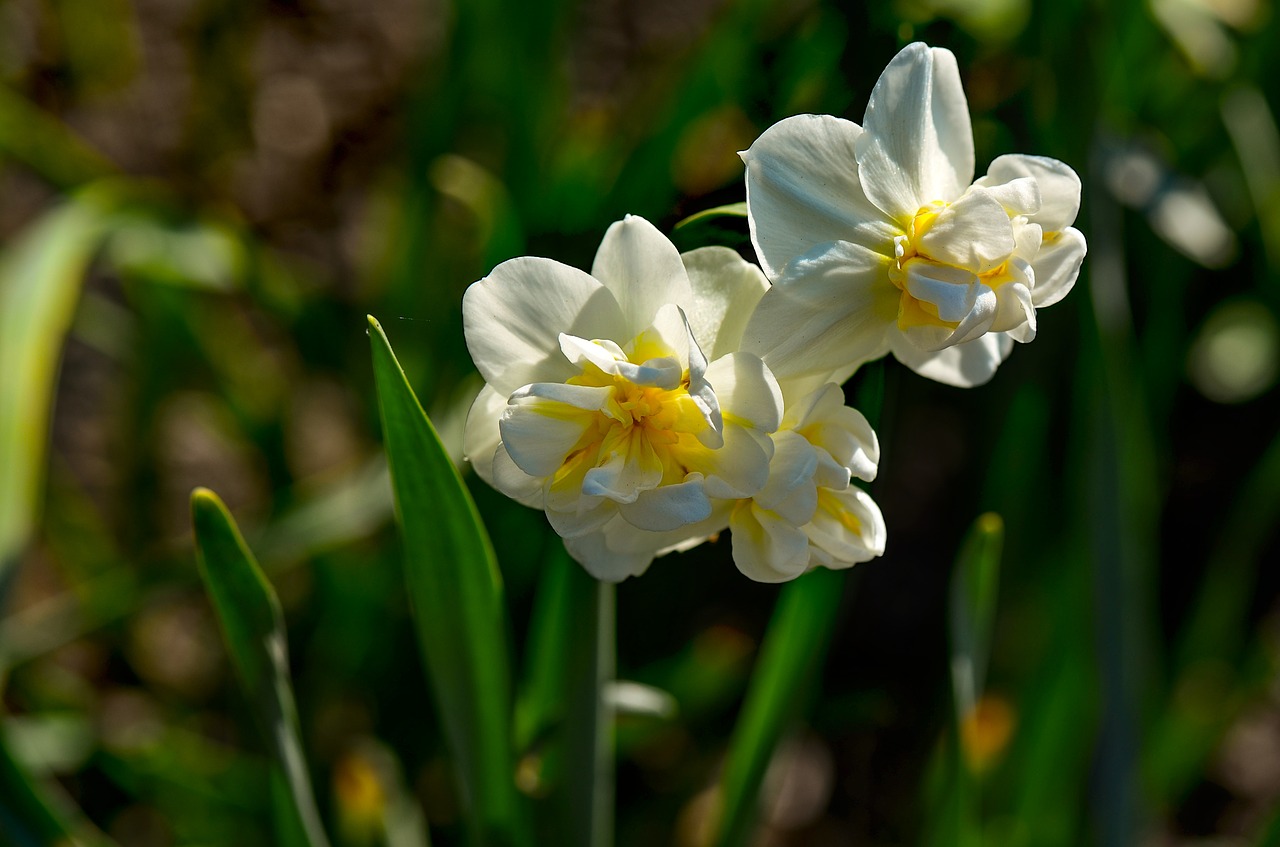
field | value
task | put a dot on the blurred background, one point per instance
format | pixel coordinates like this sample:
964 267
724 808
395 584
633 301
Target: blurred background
200 201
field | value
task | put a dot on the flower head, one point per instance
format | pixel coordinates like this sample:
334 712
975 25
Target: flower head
618 402
878 240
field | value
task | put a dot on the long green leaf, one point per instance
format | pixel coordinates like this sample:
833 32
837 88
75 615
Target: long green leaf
456 592
40 279
794 648
974 586
253 630
971 619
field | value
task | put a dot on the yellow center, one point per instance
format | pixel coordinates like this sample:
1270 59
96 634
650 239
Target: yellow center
913 312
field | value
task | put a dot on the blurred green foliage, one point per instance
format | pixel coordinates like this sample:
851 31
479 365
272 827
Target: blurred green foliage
201 201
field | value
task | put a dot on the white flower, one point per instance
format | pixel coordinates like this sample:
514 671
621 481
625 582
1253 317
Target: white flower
876 240
809 514
617 401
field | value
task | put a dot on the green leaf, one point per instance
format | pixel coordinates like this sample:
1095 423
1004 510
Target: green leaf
737 210
456 593
29 818
253 630
794 648
40 280
974 585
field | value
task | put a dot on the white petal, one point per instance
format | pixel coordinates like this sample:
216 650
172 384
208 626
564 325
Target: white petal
1014 309
586 516
1059 187
738 469
848 527
952 291
726 289
626 538
604 353
1057 265
848 438
790 490
917 145
668 507
703 393
973 233
642 268
515 483
481 437
766 546
746 390
831 310
629 467
803 190
964 365
604 563
544 422
1019 196
513 319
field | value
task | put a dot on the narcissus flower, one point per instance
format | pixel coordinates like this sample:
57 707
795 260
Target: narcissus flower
618 402
878 240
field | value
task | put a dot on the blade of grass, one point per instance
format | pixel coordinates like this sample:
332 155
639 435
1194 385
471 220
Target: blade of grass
974 584
737 210
40 279
253 630
794 647
456 593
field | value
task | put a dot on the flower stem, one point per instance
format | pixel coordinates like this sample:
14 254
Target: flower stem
589 721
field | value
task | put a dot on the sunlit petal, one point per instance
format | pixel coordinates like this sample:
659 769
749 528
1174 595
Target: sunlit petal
918 143
513 319
803 190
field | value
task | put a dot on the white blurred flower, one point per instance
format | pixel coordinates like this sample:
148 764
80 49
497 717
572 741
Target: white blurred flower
617 401
877 240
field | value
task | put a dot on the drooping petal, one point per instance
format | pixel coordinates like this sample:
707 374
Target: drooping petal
513 319
1059 186
973 233
604 563
963 365
848 528
726 289
668 507
515 483
803 190
480 437
585 517
642 268
766 546
917 144
1057 265
829 311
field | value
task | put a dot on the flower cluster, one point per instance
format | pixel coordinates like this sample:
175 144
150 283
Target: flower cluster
665 397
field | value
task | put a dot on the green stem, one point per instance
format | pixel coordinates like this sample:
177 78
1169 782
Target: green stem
589 724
